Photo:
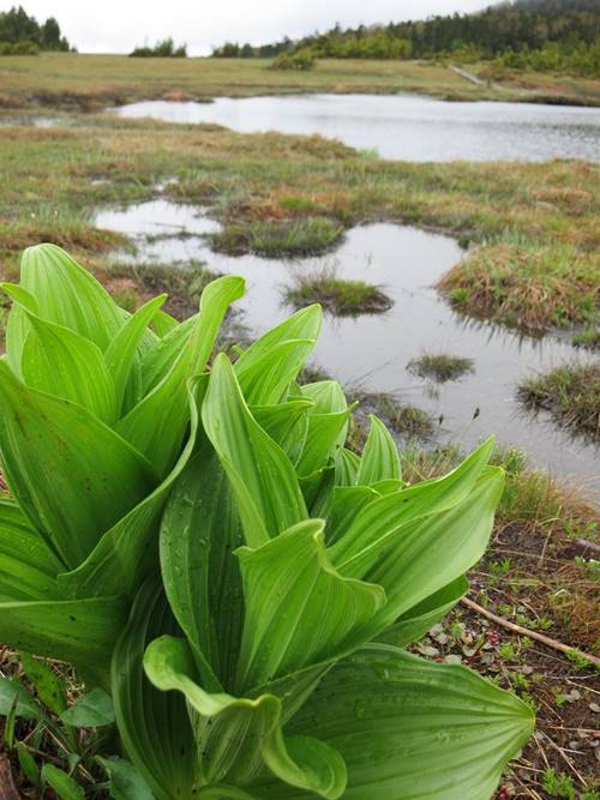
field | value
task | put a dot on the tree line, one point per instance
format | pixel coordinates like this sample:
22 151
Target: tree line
537 34
21 33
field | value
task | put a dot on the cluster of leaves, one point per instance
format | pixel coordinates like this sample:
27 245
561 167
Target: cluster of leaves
163 49
200 544
298 62
21 34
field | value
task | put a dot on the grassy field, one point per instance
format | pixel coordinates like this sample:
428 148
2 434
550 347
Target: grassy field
535 229
536 226
96 81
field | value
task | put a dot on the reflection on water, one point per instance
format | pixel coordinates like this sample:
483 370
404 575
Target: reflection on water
405 127
372 351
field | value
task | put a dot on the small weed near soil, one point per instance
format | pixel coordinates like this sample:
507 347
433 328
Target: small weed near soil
589 339
274 239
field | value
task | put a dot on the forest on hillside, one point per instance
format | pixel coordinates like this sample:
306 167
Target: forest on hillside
560 35
23 34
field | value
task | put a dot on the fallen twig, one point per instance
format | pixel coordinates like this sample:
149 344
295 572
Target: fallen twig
539 637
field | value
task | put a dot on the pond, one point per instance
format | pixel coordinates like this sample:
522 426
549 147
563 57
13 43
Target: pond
372 352
406 127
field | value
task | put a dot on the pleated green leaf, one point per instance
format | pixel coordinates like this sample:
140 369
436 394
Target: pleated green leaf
156 426
199 532
235 736
324 439
71 474
359 546
263 479
412 730
380 460
153 725
128 552
28 569
82 631
69 295
286 423
157 362
121 354
303 325
414 624
63 363
264 379
288 584
432 552
347 466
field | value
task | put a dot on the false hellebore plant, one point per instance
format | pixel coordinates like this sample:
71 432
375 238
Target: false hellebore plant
201 543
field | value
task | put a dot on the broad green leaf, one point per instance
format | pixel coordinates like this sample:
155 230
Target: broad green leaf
324 439
28 568
380 460
27 708
304 324
200 530
157 362
263 479
318 489
413 730
286 423
221 792
72 475
391 512
234 734
120 355
327 396
347 466
347 502
156 426
93 710
69 295
154 726
80 631
18 325
63 363
50 688
433 552
65 787
127 552
126 782
264 380
413 625
29 767
163 324
288 583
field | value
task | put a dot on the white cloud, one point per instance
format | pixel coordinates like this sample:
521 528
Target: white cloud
118 25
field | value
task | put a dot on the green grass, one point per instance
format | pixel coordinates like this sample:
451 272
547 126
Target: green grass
76 81
441 367
527 284
276 238
589 339
288 195
570 393
344 298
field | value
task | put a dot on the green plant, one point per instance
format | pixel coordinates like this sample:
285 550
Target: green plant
256 663
99 416
77 734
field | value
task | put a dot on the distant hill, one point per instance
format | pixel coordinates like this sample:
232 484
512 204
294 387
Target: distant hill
556 35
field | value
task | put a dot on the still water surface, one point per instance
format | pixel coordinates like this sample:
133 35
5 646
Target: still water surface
406 127
372 352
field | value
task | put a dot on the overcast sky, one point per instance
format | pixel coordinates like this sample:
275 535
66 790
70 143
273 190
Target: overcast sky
114 26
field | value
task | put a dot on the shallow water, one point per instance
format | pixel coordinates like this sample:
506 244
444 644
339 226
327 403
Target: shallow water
372 352
405 127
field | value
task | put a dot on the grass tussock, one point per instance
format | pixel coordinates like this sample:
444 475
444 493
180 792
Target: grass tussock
570 393
440 367
527 285
338 296
277 238
589 339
